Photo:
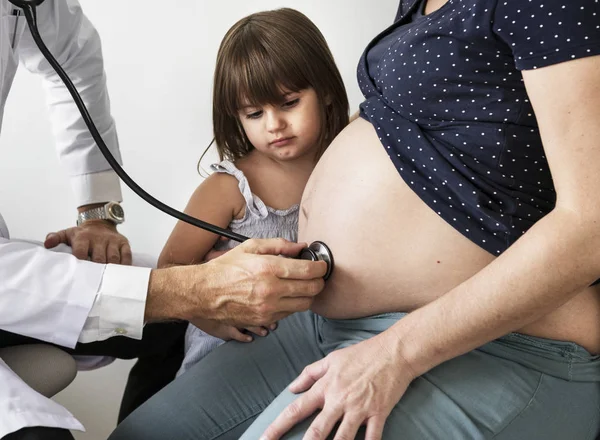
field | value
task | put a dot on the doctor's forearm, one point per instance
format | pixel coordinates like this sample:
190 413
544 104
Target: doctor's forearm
169 295
549 265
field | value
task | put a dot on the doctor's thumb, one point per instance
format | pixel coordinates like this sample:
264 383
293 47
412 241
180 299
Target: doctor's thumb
53 239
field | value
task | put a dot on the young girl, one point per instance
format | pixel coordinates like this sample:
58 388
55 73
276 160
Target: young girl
278 102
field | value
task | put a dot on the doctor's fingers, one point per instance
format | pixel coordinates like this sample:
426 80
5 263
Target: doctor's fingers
274 290
113 252
97 251
271 246
81 248
53 239
118 252
126 255
292 305
263 315
290 268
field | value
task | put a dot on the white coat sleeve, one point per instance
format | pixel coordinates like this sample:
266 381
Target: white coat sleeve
51 296
55 297
74 42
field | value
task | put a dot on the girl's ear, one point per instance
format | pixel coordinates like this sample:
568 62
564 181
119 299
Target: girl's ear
328 100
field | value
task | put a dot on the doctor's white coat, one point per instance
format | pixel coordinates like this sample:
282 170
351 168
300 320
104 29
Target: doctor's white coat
51 296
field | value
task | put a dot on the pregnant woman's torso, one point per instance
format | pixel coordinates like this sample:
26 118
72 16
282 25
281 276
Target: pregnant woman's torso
392 252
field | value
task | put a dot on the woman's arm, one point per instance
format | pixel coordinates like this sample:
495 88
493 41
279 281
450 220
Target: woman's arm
556 259
217 201
550 264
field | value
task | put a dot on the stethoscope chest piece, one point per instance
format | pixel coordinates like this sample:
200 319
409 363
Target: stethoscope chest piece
318 251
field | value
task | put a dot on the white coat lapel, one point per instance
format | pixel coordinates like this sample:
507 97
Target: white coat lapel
3 228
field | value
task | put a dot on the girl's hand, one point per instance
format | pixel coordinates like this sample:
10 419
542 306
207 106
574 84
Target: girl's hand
357 385
229 332
213 253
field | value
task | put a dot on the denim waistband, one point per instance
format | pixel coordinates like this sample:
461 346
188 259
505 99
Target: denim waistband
375 323
562 359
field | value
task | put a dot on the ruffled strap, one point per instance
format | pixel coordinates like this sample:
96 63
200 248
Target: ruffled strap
255 206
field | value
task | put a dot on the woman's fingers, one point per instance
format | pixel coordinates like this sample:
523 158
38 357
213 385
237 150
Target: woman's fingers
295 412
348 428
323 424
308 377
375 428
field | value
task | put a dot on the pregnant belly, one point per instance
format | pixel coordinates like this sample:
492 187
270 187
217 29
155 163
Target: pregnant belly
391 251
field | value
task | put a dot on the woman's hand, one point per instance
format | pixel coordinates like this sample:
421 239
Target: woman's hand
96 240
357 385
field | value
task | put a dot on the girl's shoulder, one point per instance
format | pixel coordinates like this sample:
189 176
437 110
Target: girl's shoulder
220 188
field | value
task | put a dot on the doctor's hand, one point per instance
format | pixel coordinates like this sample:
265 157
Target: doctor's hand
96 240
356 386
251 285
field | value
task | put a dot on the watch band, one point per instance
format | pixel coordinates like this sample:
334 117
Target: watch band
111 211
98 213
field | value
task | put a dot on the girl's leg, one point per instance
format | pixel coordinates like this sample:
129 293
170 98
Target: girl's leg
198 345
220 397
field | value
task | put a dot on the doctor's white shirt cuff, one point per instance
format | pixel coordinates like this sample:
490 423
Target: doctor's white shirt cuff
100 187
119 306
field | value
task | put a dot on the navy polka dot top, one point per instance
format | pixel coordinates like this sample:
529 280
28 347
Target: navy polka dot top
446 97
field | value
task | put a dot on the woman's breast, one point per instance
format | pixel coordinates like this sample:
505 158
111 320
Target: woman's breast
391 251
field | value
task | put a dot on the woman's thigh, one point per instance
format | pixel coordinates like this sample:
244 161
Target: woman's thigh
220 397
477 396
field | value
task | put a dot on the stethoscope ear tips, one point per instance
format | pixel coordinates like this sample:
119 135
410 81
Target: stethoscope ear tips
318 251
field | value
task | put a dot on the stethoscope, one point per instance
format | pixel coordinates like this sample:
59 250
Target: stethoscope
317 251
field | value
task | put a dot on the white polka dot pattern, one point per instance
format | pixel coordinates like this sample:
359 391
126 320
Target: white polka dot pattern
446 98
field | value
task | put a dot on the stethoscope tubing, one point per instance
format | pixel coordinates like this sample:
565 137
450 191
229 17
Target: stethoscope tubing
30 16
315 252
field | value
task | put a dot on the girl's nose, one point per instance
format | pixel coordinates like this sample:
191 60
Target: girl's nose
275 121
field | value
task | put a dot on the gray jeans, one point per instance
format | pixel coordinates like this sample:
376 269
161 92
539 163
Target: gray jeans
517 387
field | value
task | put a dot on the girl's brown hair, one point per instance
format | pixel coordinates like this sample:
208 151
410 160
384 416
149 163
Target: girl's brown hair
259 56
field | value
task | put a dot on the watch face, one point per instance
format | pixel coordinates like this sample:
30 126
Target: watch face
117 212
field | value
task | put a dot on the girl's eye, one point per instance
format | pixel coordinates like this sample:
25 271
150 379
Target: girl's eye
254 115
291 103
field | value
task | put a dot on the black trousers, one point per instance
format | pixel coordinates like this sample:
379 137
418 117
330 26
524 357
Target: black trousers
159 354
40 433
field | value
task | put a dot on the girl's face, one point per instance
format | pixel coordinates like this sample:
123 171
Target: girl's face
287 130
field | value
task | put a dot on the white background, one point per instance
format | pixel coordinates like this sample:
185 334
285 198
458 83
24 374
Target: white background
159 57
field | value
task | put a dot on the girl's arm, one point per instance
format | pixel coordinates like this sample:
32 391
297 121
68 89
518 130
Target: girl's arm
217 201
550 264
